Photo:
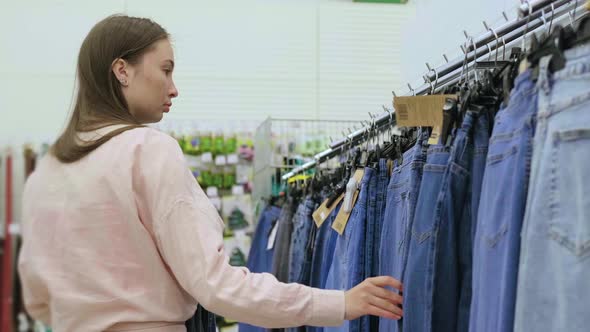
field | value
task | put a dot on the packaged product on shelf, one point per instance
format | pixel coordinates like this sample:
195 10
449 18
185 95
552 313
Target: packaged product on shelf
218 144
236 211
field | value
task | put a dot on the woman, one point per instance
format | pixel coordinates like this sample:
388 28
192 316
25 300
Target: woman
117 234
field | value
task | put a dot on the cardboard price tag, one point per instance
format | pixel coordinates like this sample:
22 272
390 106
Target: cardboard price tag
420 111
321 214
342 218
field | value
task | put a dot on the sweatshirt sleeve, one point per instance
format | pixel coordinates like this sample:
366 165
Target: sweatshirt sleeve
189 233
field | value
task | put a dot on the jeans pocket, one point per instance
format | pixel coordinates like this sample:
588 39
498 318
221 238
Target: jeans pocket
499 157
570 191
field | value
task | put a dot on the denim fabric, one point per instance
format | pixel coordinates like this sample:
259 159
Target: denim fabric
323 251
481 140
259 258
347 268
303 235
369 236
402 194
419 276
382 183
501 211
323 254
452 260
202 321
330 251
553 292
280 260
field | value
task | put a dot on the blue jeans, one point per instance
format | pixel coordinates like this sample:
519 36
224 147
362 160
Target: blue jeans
402 195
323 254
382 184
348 267
501 211
303 235
419 276
553 292
481 140
452 261
259 258
370 246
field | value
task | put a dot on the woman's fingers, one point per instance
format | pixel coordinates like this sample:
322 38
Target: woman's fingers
387 294
385 305
376 311
384 281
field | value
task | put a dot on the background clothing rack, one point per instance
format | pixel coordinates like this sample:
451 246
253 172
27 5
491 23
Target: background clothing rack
541 14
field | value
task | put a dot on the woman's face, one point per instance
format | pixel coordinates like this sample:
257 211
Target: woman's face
150 88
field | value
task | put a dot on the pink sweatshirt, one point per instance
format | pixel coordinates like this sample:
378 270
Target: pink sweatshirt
125 239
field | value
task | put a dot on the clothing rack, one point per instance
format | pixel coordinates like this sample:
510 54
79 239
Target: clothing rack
533 17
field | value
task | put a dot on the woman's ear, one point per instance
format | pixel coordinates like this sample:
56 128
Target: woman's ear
120 68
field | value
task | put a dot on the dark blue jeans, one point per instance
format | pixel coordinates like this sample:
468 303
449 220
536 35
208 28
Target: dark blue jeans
323 253
419 276
259 258
348 267
370 245
402 193
452 261
501 211
382 183
301 242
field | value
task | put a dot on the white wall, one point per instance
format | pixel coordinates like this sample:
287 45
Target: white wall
241 59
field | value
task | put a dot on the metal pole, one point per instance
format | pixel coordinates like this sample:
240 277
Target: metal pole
449 73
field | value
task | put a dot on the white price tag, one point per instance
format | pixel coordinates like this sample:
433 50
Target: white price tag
207 158
232 159
272 237
220 161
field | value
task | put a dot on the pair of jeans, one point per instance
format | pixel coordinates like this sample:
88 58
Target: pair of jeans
451 297
402 193
280 260
369 236
553 292
382 184
323 250
419 276
301 242
347 268
481 140
259 258
501 211
323 253
202 321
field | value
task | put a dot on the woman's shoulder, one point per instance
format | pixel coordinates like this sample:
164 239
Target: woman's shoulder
149 137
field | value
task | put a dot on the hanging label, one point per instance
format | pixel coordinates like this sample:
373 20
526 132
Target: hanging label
342 218
321 214
435 135
272 237
344 214
420 111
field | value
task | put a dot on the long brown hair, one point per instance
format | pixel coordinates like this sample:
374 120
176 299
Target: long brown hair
100 101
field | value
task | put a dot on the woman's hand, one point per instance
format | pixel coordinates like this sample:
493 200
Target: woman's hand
371 298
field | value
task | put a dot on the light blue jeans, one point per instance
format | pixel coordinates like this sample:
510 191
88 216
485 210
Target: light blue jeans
501 211
554 277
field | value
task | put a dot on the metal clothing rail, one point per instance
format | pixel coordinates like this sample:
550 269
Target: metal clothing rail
533 16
